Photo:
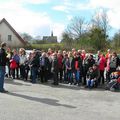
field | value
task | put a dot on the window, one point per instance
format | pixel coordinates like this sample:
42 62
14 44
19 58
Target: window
9 37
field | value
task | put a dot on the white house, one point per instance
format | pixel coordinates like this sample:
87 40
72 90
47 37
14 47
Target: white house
9 35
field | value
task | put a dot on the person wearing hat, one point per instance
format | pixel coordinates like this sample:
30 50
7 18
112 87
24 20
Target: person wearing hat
3 59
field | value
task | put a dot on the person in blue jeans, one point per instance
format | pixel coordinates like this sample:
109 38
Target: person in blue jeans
89 79
92 76
77 67
34 64
3 61
69 70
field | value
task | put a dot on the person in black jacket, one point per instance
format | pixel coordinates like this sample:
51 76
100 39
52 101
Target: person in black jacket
3 60
93 75
114 63
44 67
34 66
87 63
55 69
77 68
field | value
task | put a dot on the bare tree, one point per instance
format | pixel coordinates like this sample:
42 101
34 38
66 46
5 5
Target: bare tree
101 21
105 23
77 27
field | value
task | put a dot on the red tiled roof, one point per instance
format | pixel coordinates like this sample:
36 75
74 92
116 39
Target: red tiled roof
18 36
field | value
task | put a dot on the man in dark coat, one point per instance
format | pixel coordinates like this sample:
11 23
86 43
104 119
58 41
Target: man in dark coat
44 67
87 63
3 61
34 63
55 69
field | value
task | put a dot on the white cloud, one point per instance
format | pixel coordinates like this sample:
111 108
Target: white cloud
26 1
69 17
36 1
40 23
112 12
104 3
114 19
33 23
23 20
62 8
112 7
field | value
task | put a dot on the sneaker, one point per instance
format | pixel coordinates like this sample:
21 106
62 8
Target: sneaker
112 89
75 83
86 86
6 75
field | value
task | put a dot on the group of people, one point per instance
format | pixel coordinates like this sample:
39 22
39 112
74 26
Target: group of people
73 67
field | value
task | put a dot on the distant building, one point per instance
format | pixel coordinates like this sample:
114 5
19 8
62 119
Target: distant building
9 35
50 39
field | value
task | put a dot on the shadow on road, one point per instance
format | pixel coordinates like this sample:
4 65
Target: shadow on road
9 81
48 101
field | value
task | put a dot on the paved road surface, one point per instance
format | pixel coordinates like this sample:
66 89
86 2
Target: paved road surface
26 101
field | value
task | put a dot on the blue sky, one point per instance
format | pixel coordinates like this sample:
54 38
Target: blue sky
40 17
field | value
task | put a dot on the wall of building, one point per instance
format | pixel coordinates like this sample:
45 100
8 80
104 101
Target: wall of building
4 32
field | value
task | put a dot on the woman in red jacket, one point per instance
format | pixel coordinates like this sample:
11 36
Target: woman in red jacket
13 66
102 62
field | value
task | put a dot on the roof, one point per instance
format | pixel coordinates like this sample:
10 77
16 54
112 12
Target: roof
13 30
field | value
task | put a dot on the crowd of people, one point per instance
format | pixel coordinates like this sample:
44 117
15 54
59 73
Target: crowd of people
71 67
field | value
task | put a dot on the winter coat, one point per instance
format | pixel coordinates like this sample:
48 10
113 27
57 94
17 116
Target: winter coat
46 63
77 64
102 62
55 67
3 58
60 64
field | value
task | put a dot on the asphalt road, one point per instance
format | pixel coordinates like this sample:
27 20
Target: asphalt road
26 101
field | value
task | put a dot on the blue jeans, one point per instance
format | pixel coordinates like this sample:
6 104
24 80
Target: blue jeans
70 76
2 75
34 74
90 83
65 76
77 76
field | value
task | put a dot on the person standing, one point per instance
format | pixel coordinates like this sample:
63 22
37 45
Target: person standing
17 60
22 61
44 66
3 60
34 63
55 69
101 66
87 63
9 56
77 61
114 63
60 65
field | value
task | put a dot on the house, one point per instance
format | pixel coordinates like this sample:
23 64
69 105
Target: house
10 36
50 39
